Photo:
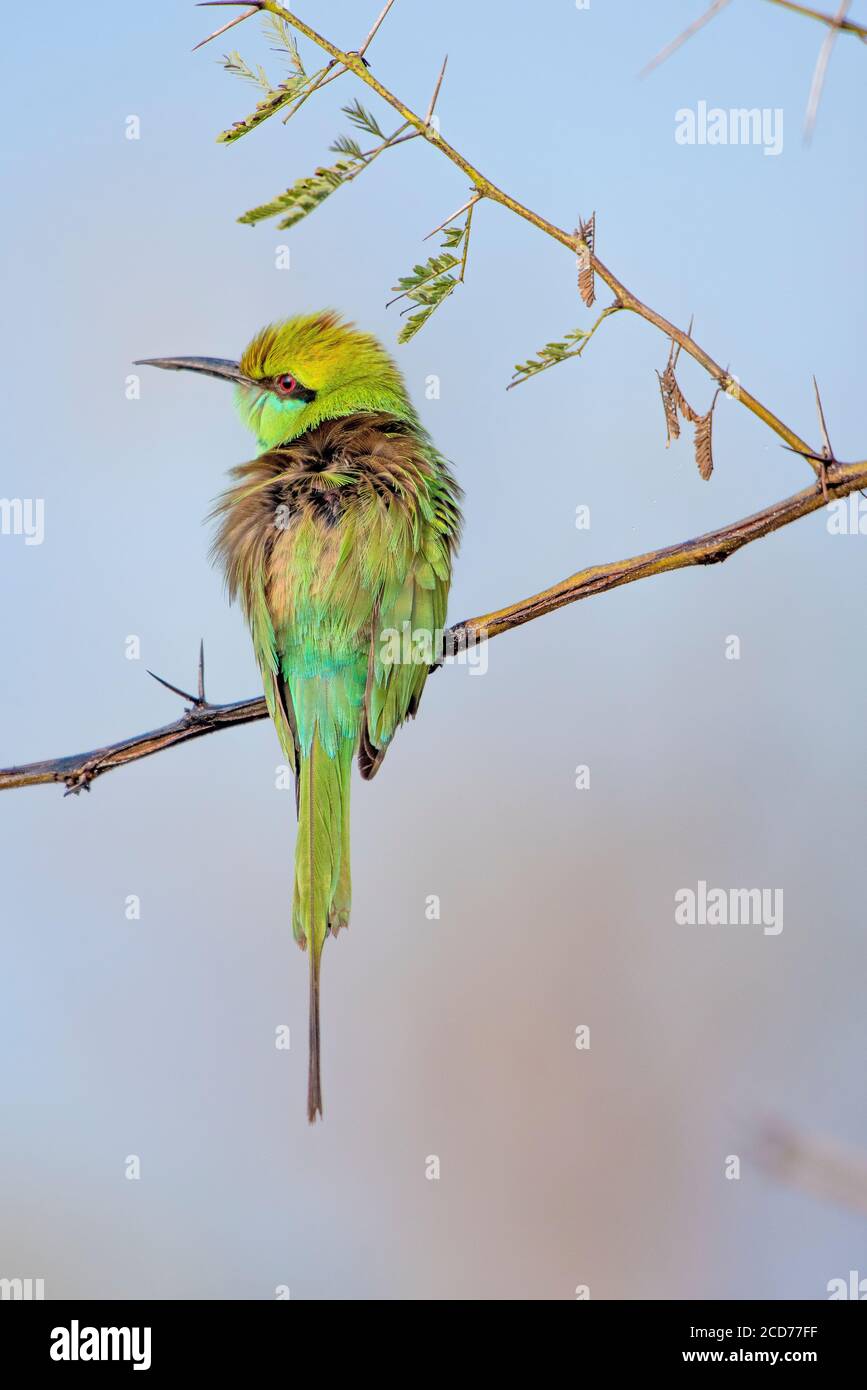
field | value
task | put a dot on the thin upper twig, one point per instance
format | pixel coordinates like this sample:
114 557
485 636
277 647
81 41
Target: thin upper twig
847 26
837 23
681 39
818 83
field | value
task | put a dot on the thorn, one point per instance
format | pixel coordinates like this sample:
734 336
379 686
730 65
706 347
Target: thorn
466 206
436 92
821 459
176 690
80 780
367 42
202 699
75 788
827 451
255 7
803 453
824 428
688 334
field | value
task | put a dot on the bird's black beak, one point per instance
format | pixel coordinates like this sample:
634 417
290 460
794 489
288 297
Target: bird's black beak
211 366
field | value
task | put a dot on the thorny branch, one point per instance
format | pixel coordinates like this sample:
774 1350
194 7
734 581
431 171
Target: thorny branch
79 770
834 479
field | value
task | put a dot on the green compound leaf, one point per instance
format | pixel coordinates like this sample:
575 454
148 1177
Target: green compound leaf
429 285
570 345
305 195
291 92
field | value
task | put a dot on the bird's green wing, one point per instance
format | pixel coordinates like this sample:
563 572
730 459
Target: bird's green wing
277 694
405 642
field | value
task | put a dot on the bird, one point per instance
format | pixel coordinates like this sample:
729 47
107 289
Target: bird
338 540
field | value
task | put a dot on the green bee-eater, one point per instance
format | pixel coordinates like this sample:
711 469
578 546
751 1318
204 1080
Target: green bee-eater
338 540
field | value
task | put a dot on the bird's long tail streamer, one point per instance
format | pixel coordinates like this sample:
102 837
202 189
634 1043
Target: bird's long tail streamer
321 888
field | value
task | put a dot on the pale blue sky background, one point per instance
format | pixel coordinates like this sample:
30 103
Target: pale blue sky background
452 1037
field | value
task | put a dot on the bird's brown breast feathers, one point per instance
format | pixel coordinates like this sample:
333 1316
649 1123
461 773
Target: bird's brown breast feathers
369 461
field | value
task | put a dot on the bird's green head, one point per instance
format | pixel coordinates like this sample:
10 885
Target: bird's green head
295 374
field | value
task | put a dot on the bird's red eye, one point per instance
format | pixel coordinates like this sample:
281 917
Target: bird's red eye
286 384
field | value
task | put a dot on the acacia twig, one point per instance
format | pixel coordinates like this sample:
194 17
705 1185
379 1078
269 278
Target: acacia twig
78 771
573 241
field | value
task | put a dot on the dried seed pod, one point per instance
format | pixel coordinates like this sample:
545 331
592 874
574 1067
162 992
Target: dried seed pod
586 284
703 450
670 391
684 406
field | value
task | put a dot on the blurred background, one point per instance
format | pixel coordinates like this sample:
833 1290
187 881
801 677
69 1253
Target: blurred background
451 1037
